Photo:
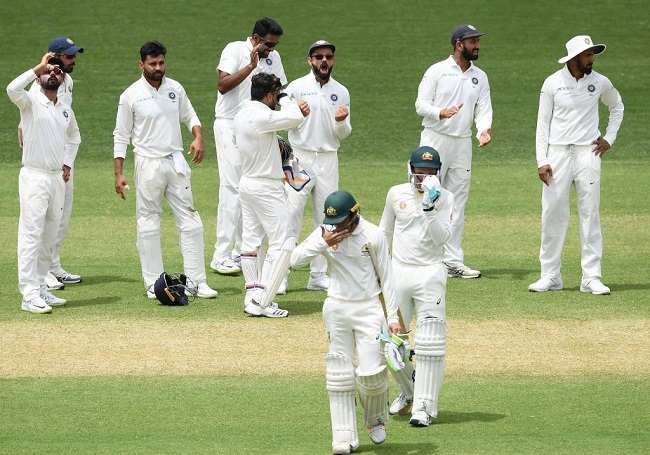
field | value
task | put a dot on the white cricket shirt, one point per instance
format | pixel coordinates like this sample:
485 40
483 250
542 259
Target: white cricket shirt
444 85
255 128
234 57
353 277
417 237
320 132
50 133
150 119
568 111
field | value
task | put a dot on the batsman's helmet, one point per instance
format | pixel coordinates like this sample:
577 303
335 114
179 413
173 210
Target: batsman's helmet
425 156
338 206
170 289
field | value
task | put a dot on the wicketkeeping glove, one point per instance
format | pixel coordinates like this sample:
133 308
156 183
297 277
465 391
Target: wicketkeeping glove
396 351
431 188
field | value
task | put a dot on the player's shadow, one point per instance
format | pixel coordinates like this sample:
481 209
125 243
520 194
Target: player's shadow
104 279
103 300
453 417
516 274
418 448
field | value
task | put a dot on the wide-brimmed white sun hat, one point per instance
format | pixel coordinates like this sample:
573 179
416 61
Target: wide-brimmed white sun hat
579 44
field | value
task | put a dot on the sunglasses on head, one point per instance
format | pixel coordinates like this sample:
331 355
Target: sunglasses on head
56 70
323 56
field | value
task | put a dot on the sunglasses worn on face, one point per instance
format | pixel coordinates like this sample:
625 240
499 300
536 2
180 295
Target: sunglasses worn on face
56 70
69 57
323 56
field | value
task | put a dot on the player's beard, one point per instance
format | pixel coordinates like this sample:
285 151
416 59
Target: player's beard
51 83
155 76
468 55
68 69
319 74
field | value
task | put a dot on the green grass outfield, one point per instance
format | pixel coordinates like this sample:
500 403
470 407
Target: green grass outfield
383 47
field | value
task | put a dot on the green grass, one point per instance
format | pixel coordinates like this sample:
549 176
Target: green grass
383 48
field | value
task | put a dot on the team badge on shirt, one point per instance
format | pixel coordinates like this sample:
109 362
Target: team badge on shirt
269 61
172 95
65 114
591 88
474 81
334 97
365 250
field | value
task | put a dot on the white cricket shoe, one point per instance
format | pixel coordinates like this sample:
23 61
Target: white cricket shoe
401 405
204 291
420 419
318 282
36 305
342 448
271 311
377 434
546 284
52 300
462 271
282 290
67 278
595 286
52 283
227 267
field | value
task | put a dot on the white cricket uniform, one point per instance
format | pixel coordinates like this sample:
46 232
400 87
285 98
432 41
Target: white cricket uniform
50 140
234 57
64 95
417 238
444 85
263 199
150 119
352 311
567 124
315 143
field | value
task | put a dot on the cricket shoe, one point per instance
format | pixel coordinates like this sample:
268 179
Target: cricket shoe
52 283
342 448
318 282
420 419
52 300
36 305
67 278
150 293
227 267
203 291
546 284
282 290
271 311
401 405
377 434
462 272
594 286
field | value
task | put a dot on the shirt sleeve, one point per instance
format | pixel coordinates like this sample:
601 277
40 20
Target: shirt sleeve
187 113
426 92
385 272
612 99
123 127
439 219
343 128
290 116
310 248
544 115
16 89
72 141
387 223
483 111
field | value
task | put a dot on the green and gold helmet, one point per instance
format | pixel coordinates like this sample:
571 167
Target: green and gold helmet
338 206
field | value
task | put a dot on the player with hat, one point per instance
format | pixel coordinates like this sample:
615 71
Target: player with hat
359 264
316 142
417 223
569 149
452 94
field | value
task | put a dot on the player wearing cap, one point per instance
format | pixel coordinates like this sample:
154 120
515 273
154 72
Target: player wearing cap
240 60
569 148
316 142
417 223
452 94
149 116
51 142
65 50
263 198
359 263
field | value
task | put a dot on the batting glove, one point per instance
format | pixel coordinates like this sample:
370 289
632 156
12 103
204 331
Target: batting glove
431 188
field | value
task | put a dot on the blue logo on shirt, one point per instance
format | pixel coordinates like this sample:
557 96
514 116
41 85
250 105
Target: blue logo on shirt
474 81
334 97
269 61
65 114
172 95
591 88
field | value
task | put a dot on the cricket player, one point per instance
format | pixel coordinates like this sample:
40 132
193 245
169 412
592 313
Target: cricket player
316 142
240 61
65 50
569 150
357 256
452 93
417 223
263 198
50 143
149 115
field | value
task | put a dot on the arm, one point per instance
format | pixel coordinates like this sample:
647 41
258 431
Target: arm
121 183
16 88
426 93
544 116
612 99
311 247
342 125
121 140
72 141
483 116
191 120
439 219
387 223
384 270
290 116
228 81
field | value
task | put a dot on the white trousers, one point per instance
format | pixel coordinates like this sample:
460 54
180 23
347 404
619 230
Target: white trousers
155 179
56 268
323 168
420 290
578 166
355 325
455 176
41 207
229 214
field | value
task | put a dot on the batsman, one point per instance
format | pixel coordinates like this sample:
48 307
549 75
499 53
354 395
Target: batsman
357 257
417 223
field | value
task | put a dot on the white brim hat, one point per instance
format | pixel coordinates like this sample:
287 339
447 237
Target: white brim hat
579 44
